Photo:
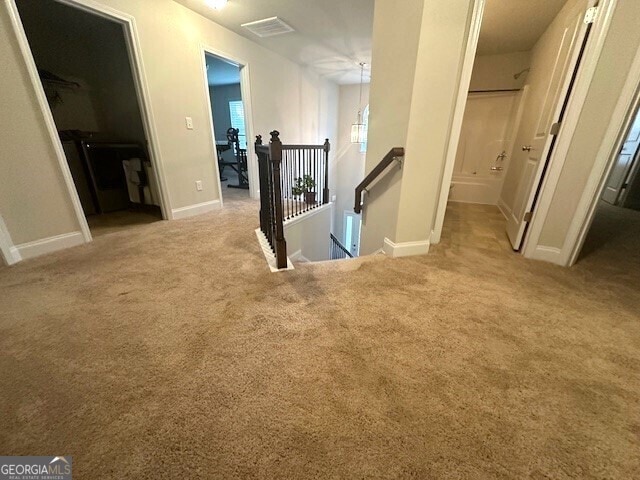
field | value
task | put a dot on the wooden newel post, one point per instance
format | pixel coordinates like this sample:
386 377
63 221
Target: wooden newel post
275 151
325 191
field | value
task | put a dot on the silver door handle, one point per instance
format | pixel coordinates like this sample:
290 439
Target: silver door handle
527 148
496 169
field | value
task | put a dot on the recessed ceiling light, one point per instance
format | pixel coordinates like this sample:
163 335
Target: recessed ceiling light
216 4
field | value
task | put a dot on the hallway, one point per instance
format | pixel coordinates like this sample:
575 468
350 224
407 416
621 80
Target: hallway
469 225
171 344
613 242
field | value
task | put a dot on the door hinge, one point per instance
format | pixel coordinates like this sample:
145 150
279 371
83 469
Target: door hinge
555 128
590 15
527 216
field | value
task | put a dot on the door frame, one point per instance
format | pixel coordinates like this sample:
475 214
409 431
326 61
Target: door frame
245 93
630 178
620 122
584 77
468 61
130 33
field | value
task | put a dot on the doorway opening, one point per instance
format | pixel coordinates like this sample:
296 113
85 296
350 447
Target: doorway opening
84 65
230 132
520 85
613 238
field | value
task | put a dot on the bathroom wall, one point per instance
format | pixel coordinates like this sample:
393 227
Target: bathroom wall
496 72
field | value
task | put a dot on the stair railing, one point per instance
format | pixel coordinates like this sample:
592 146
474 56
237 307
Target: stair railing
294 179
394 154
337 251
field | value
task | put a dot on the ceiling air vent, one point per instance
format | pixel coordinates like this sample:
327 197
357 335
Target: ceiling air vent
268 27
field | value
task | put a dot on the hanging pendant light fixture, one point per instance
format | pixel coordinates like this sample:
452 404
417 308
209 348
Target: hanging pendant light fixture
358 133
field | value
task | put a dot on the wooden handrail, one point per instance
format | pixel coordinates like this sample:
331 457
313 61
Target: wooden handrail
337 250
373 174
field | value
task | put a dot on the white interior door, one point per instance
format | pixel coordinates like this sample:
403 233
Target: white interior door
620 174
552 69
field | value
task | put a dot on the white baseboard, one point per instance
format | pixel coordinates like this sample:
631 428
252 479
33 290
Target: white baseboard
405 249
49 245
548 254
10 253
298 257
193 210
269 255
506 211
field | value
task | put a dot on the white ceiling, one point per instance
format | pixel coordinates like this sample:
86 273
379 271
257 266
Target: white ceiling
515 25
220 72
333 36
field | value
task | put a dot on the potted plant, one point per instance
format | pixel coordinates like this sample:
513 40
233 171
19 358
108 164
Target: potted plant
305 186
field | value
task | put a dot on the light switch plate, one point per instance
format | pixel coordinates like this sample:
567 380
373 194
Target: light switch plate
189 122
199 185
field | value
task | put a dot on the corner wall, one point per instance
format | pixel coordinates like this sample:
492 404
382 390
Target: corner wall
393 66
414 87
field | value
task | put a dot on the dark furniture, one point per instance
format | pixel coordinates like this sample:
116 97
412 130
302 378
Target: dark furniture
240 163
222 147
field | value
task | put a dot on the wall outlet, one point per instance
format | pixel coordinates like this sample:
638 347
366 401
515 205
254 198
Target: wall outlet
189 122
199 185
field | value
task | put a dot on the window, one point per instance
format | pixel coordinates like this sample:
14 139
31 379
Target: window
365 122
236 111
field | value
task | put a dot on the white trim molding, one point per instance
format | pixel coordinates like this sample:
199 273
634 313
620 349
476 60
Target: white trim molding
245 93
405 249
458 116
10 253
269 256
50 244
193 210
546 254
298 257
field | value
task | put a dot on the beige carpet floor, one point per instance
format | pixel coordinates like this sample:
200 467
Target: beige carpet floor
170 351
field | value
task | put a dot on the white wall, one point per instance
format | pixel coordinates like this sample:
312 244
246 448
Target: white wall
425 65
285 96
309 234
392 79
348 161
495 72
